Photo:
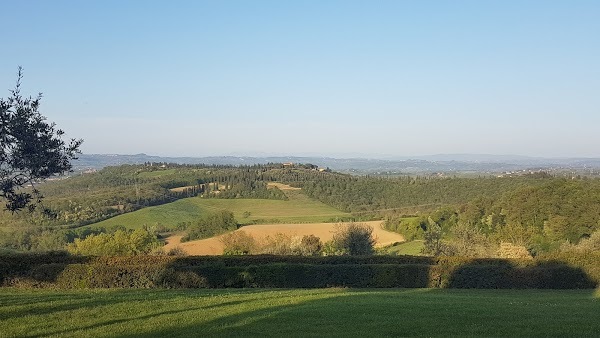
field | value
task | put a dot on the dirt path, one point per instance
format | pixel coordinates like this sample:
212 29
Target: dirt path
213 246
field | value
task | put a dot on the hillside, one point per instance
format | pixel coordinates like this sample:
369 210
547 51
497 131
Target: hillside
298 208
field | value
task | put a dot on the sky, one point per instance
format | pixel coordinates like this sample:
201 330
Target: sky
312 77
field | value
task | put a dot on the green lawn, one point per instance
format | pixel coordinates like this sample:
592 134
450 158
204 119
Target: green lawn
316 312
298 209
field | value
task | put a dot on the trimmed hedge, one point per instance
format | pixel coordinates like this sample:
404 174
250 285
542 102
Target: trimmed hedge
64 271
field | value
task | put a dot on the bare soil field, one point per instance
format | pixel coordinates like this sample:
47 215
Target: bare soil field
281 186
213 245
180 189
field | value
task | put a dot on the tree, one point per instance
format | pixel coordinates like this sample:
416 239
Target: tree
31 149
433 244
310 245
469 241
354 239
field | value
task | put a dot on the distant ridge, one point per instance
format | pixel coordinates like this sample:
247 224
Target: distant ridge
442 163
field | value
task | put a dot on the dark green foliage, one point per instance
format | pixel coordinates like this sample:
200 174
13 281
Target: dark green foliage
297 271
31 149
412 228
211 225
540 214
353 239
311 245
406 194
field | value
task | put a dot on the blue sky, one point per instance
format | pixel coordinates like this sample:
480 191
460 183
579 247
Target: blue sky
335 78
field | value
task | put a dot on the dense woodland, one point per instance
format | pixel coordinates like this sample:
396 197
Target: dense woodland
463 216
538 211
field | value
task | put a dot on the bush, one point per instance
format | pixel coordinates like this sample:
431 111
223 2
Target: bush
176 251
310 245
278 244
238 243
139 241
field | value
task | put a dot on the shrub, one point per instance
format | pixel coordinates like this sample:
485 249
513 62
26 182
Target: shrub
177 251
468 241
139 241
278 244
238 243
310 245
586 245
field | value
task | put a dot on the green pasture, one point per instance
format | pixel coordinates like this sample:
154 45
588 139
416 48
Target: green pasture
304 312
412 248
299 209
157 173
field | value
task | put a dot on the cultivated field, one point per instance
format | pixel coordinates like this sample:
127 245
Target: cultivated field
315 312
213 245
298 209
281 186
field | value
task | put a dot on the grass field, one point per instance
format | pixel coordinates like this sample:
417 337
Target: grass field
157 173
412 248
298 209
317 312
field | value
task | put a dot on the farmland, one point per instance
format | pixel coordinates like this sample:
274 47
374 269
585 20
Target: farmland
316 312
213 246
298 209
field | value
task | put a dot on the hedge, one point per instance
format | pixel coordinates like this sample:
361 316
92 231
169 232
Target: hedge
60 270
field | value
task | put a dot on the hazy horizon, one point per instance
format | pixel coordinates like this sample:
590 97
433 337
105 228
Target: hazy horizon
385 79
342 156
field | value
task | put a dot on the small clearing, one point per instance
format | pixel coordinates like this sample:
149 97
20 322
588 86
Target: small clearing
281 186
213 245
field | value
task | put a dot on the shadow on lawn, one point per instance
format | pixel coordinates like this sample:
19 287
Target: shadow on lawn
414 312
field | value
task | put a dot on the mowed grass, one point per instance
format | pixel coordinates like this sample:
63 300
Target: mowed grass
299 209
316 312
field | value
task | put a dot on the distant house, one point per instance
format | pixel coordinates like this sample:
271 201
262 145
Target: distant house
288 164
